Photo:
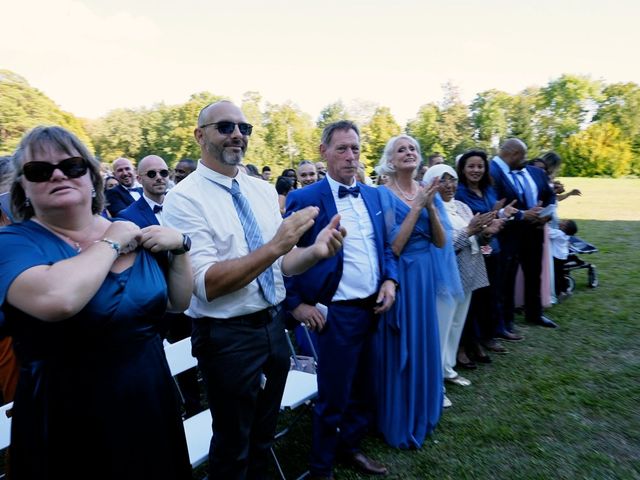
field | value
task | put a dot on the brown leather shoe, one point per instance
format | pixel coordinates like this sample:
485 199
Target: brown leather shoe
512 337
367 465
495 346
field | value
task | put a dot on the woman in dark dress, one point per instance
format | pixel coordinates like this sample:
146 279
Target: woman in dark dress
80 296
484 322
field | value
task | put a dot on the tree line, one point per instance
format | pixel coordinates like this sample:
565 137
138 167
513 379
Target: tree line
594 126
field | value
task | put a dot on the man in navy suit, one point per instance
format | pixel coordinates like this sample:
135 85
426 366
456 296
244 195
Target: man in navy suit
153 175
521 239
357 285
126 192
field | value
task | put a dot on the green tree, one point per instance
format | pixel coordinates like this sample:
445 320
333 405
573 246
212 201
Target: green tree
23 107
258 153
490 116
521 119
564 106
424 128
599 150
621 107
288 136
118 134
375 135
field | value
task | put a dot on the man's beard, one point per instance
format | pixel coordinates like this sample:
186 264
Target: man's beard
227 157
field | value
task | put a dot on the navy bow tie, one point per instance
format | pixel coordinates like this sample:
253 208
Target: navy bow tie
157 208
344 191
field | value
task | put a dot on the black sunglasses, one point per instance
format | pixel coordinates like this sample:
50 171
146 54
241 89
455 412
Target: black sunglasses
153 173
38 172
227 128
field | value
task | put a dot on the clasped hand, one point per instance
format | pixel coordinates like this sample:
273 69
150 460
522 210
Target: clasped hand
154 238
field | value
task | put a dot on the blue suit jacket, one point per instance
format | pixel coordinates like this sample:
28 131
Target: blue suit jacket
140 213
119 198
505 189
320 282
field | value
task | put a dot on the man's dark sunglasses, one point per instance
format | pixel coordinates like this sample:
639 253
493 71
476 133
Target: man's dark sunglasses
227 128
38 172
153 173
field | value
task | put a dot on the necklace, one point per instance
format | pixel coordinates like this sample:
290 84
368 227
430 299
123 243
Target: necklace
76 245
407 197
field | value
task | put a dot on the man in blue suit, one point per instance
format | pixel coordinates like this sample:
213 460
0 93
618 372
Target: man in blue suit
357 285
153 175
521 239
126 192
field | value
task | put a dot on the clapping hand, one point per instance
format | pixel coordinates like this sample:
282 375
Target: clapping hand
330 239
293 227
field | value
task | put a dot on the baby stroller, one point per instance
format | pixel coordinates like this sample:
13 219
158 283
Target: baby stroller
577 246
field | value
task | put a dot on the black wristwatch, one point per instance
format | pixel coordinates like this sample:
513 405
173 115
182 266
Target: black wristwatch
186 246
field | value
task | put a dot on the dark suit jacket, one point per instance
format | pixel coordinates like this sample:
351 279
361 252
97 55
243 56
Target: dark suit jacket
320 282
513 230
140 213
119 198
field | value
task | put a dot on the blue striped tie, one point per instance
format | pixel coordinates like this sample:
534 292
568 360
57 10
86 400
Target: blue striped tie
253 237
523 188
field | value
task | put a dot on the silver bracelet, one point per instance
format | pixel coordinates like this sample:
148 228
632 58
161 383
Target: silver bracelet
112 244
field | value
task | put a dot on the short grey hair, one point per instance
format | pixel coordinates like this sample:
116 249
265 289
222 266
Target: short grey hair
329 130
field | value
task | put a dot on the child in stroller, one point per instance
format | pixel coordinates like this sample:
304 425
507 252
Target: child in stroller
565 247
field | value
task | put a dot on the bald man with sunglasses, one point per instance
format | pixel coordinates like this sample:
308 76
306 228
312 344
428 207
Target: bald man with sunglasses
153 175
241 249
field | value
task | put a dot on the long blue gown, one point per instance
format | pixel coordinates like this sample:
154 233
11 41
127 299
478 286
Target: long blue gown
409 371
95 398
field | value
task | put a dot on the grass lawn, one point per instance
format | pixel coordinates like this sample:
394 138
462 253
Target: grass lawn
563 404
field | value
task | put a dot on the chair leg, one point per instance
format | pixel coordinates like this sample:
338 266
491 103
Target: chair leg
275 459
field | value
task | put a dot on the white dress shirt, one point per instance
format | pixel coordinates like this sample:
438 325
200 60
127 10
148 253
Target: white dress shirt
203 209
152 204
360 270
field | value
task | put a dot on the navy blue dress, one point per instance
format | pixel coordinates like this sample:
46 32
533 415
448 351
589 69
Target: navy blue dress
409 370
95 397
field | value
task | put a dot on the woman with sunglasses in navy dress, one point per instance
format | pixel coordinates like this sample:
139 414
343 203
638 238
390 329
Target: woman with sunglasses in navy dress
95 398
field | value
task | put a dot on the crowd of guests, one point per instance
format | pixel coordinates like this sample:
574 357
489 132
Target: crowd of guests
402 282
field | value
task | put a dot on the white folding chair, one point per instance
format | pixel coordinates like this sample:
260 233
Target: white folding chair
197 429
5 428
301 388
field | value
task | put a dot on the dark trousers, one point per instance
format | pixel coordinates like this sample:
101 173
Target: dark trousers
558 276
522 247
233 355
345 383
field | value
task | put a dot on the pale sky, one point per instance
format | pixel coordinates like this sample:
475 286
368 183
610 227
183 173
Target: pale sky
91 56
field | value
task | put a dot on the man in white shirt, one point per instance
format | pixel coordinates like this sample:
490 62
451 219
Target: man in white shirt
241 248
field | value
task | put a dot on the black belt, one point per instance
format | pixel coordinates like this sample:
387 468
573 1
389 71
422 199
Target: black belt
255 319
368 302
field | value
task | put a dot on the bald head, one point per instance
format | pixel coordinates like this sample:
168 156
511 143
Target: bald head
514 153
124 172
150 160
153 175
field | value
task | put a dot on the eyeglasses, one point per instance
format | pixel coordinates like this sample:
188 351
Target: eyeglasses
153 173
448 181
227 128
38 172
